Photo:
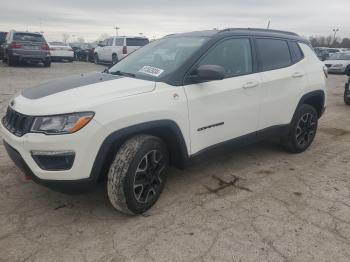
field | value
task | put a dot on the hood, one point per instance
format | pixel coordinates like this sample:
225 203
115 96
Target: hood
76 93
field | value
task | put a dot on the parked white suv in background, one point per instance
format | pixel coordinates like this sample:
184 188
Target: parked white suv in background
113 49
165 104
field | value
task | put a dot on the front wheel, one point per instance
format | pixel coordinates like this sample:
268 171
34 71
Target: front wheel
303 129
136 177
47 63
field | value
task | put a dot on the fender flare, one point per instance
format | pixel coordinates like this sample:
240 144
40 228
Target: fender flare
114 140
316 93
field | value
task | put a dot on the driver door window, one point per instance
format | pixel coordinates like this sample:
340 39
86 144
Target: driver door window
234 55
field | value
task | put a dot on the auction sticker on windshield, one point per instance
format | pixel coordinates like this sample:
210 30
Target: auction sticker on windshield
150 70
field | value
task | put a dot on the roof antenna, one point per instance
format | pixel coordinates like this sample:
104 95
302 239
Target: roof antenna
268 25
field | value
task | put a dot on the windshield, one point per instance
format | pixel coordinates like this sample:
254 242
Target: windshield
159 58
28 37
340 56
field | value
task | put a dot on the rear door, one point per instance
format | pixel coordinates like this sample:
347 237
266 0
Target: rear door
229 108
283 80
107 50
102 51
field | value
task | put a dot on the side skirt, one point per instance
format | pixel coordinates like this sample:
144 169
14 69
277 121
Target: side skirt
252 138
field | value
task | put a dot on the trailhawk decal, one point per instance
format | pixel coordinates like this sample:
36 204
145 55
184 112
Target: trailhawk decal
211 126
153 71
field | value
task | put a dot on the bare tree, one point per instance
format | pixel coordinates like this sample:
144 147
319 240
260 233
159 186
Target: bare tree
81 40
103 37
65 37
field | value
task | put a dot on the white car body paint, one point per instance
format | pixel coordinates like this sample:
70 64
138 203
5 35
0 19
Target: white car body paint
235 106
61 51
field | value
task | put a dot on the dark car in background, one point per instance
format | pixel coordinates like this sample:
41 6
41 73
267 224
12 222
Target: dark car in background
26 47
2 41
84 52
322 53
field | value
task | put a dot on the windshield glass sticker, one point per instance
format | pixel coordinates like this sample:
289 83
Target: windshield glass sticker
153 71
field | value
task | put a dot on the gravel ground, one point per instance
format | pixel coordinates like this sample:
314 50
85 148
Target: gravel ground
253 204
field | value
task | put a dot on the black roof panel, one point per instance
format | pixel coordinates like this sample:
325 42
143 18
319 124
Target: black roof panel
243 31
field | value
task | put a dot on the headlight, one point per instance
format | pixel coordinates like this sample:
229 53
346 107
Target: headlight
61 124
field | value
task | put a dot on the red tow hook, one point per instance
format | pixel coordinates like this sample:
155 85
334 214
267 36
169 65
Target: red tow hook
27 177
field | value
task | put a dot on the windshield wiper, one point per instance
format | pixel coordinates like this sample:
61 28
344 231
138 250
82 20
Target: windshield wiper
120 73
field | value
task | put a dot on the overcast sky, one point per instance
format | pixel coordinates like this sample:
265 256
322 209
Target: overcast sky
89 19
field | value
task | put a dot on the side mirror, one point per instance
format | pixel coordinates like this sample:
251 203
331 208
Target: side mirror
208 73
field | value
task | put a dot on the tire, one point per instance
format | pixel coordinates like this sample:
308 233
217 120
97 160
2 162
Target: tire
303 129
346 99
47 63
96 59
136 177
10 61
347 71
114 59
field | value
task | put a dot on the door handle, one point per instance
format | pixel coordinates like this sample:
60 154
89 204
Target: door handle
297 75
250 85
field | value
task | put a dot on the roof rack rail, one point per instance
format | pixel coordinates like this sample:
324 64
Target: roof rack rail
259 29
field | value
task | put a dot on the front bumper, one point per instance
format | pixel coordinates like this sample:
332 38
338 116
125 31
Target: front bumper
85 144
64 186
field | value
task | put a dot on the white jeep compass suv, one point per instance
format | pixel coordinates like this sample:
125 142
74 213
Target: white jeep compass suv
165 104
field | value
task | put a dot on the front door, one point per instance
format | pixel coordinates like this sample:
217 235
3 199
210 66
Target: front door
225 109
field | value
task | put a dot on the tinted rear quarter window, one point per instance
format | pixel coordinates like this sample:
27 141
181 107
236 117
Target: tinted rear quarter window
28 37
298 54
119 41
273 54
136 41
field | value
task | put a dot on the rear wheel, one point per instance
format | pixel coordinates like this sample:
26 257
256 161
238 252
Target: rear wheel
96 59
303 129
114 59
136 177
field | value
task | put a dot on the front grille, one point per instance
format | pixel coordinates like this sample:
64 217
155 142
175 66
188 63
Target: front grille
328 65
18 124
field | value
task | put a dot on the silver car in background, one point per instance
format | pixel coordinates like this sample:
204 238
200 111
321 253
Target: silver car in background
26 47
338 63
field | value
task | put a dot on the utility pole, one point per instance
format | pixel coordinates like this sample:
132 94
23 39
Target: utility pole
335 34
116 30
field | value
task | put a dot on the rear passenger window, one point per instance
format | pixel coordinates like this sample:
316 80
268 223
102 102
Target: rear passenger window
136 41
234 55
119 41
298 54
274 54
